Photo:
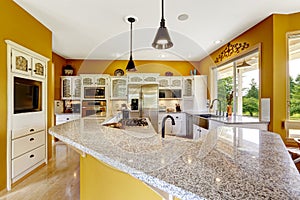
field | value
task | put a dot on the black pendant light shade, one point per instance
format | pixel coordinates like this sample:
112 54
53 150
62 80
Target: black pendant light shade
130 66
162 39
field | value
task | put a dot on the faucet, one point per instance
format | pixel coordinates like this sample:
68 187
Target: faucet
220 107
163 124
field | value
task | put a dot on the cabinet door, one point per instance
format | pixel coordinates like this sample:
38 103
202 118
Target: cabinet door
99 80
39 68
136 79
66 88
196 132
176 82
87 81
118 88
163 82
76 87
187 87
21 62
150 78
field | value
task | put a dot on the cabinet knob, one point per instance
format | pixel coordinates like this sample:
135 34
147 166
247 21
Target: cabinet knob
31 139
31 130
34 70
31 156
67 119
29 69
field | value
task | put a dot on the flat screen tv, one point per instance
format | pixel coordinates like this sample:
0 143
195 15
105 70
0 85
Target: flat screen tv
27 95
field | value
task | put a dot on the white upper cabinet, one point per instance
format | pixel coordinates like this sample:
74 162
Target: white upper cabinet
146 78
118 87
188 86
23 63
170 82
150 78
94 79
71 87
176 82
38 68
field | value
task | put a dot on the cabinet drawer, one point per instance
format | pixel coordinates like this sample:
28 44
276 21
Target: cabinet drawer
27 143
27 160
60 119
27 123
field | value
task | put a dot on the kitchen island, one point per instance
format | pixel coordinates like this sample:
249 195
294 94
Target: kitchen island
228 163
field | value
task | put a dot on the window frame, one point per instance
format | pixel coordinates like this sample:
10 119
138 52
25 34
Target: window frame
214 89
289 124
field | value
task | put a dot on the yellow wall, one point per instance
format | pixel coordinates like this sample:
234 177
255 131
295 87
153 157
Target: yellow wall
99 181
108 67
20 27
58 62
260 33
271 33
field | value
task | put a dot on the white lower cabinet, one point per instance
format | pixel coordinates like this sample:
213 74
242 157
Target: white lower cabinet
179 129
259 125
199 132
27 143
64 118
27 161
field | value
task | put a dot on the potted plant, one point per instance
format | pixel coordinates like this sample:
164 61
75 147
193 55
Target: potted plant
229 99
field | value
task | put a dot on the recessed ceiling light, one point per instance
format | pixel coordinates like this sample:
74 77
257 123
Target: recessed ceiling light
218 41
182 17
128 16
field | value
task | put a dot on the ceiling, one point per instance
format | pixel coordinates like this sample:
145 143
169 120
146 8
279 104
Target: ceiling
96 29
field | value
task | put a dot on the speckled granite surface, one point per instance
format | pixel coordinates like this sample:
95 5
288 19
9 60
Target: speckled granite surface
227 163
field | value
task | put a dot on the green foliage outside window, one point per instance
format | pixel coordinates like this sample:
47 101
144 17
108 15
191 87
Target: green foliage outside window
250 100
295 98
225 86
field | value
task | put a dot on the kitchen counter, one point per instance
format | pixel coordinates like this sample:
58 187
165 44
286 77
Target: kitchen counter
231 119
228 163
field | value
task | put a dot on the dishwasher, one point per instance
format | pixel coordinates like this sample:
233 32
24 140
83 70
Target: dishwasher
178 129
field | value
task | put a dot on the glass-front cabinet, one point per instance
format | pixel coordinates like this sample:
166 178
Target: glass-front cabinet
143 78
170 82
176 82
163 82
71 87
24 64
118 87
187 86
94 80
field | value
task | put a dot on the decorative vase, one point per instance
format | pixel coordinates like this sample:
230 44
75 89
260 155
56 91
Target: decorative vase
229 110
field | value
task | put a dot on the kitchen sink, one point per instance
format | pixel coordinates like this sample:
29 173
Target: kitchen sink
207 115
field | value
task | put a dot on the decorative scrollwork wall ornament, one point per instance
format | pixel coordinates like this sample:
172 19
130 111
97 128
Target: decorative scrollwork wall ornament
230 49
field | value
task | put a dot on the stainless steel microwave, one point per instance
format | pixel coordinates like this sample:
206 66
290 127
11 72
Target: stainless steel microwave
94 92
169 94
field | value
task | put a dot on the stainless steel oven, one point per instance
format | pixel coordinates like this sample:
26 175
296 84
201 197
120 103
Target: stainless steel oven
94 92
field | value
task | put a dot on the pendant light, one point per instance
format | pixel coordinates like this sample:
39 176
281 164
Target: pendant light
162 39
130 66
244 65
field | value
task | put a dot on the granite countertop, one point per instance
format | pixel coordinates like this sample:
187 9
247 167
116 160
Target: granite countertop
227 163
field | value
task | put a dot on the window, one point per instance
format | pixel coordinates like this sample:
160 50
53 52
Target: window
293 97
240 76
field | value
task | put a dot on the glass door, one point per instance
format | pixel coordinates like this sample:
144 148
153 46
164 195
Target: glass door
293 96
